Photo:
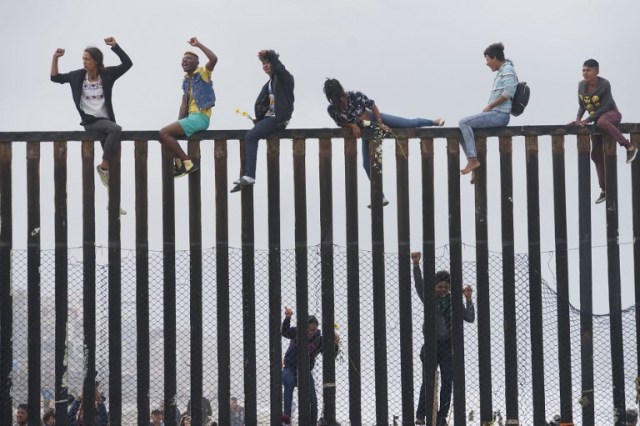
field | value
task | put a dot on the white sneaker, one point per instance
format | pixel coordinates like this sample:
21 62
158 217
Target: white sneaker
104 175
242 182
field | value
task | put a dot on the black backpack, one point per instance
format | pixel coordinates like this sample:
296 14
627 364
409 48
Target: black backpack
520 99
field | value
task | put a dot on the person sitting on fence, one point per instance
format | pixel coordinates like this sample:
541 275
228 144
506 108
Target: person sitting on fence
22 415
497 113
290 370
354 110
595 98
237 412
91 88
273 109
443 347
198 98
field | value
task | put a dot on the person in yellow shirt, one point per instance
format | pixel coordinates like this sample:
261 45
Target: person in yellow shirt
198 97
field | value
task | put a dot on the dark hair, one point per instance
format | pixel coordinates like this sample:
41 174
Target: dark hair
233 398
49 414
443 276
24 407
333 91
313 320
591 63
156 411
495 50
96 55
632 415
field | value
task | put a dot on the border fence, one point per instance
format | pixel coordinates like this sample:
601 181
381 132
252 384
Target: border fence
183 325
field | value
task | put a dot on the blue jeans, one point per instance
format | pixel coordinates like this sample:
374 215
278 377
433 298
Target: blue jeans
479 121
394 122
289 380
261 130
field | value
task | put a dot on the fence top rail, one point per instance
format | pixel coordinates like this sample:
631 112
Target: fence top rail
447 132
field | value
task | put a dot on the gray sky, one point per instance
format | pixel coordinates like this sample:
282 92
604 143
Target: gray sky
415 58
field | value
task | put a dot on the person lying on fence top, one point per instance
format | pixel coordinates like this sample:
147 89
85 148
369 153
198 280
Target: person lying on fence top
354 110
237 412
198 98
273 109
595 98
290 370
443 347
91 89
497 113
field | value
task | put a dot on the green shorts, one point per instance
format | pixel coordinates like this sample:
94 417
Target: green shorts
195 122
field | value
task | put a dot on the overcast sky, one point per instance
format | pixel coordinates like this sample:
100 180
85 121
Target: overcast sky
414 58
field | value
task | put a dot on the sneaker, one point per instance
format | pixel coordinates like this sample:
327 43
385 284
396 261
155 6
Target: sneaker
602 198
104 175
183 168
631 154
242 182
385 202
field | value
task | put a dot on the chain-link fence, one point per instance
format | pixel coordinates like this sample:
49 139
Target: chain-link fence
601 332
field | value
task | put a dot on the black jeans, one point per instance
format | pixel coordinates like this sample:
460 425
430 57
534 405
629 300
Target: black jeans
445 361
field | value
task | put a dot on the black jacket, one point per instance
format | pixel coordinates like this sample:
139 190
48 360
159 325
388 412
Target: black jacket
282 86
108 75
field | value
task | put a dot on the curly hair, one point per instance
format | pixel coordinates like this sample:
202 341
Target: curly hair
495 50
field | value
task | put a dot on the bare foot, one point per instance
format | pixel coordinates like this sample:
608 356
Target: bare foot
438 122
472 164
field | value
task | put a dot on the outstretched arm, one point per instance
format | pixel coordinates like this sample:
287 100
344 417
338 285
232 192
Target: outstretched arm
54 62
288 331
276 66
213 59
125 61
417 275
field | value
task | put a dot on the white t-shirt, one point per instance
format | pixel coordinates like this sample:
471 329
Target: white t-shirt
92 99
272 101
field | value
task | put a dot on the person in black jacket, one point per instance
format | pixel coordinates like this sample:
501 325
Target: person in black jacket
91 88
273 110
290 369
443 344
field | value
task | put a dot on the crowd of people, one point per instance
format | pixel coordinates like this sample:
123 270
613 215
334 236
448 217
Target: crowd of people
92 87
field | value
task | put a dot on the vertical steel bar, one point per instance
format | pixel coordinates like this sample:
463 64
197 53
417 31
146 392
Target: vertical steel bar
615 292
535 280
275 274
405 292
635 207
222 281
353 278
142 279
328 299
586 295
275 278
482 276
89 279
379 290
61 277
33 278
6 296
429 271
249 305
562 274
455 241
115 293
508 281
302 292
169 286
195 246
